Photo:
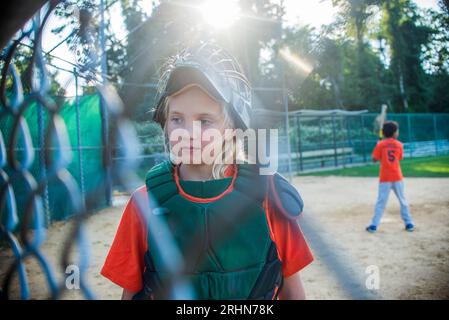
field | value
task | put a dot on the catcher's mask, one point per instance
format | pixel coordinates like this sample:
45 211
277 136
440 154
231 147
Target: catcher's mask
213 69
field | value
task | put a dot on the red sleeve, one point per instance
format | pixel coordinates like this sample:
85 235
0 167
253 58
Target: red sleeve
401 151
293 249
377 152
124 264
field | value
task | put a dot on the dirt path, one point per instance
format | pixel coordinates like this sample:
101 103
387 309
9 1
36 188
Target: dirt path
411 265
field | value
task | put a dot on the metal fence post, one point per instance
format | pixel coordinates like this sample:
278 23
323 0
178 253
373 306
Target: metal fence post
348 136
320 130
42 159
42 140
107 148
335 140
78 136
362 120
287 129
298 124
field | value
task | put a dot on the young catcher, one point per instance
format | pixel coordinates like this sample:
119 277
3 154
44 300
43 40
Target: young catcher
236 230
389 152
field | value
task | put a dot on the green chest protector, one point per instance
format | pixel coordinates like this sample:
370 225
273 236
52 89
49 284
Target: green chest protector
225 244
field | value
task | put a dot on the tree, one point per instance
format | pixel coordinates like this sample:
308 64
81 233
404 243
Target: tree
22 62
331 68
376 52
354 15
444 4
406 37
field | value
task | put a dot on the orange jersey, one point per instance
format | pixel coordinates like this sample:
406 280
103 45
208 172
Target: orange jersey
389 152
124 264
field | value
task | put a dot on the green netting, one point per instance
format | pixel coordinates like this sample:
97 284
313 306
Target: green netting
90 153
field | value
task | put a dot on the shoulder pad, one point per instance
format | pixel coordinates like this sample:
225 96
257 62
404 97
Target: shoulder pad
284 196
158 169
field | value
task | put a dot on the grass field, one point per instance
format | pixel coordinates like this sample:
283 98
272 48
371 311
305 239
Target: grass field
418 167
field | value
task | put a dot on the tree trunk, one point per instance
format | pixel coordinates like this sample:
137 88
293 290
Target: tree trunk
337 94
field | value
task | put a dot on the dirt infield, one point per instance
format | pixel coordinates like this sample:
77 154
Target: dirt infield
411 265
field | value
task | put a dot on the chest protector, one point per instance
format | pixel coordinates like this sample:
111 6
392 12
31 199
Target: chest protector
225 244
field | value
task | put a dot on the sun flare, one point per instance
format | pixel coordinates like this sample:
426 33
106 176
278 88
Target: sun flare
220 14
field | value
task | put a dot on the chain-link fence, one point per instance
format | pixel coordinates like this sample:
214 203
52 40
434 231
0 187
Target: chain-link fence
44 161
61 159
335 139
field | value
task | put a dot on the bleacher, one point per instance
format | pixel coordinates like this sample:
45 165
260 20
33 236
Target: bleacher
426 148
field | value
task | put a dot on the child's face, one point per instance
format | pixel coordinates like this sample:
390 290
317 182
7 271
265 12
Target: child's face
194 104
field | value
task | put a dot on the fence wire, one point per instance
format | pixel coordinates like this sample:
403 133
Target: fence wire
41 158
25 234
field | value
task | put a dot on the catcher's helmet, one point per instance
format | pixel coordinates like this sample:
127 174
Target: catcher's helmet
212 68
